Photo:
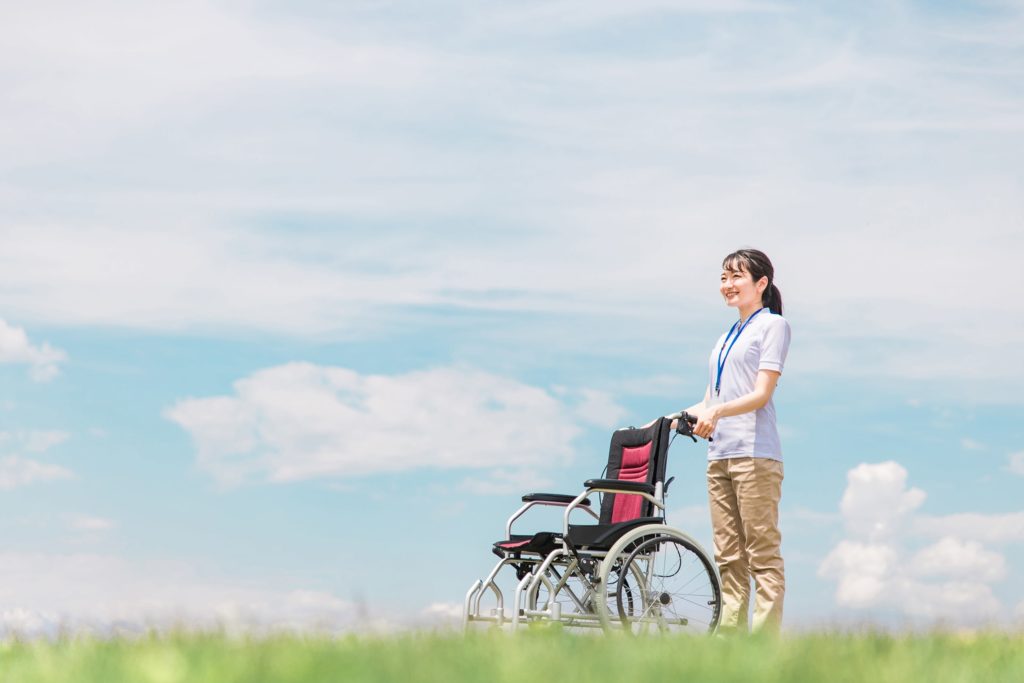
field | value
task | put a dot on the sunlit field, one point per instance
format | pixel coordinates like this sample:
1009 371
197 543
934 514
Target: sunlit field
532 656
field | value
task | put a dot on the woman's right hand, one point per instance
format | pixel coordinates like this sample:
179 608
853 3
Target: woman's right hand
707 420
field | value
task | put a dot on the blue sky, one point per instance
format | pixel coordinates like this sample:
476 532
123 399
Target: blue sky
297 294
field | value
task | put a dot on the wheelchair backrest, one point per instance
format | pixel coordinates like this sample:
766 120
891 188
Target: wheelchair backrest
635 454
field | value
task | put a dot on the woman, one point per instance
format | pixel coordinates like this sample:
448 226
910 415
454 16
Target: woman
745 455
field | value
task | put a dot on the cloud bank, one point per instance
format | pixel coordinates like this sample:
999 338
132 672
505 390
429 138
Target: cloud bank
308 172
48 594
881 568
302 421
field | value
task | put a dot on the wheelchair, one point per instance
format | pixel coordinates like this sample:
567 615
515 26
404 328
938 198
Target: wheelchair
628 572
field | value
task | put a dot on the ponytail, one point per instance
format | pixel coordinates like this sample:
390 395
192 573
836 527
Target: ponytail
772 298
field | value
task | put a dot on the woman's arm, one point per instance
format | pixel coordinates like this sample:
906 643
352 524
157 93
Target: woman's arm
708 416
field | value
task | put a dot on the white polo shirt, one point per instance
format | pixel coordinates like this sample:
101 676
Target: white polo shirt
762 345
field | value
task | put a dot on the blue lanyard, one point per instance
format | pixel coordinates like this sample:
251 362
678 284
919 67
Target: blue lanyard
721 361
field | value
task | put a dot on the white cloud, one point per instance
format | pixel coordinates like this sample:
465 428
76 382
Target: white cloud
16 472
444 613
40 441
969 444
15 347
863 571
959 559
1016 463
92 524
300 421
205 276
501 482
34 440
957 602
699 157
986 528
876 568
44 594
876 500
143 63
558 16
600 409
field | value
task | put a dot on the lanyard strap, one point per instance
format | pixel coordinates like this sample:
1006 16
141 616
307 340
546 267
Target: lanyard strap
721 361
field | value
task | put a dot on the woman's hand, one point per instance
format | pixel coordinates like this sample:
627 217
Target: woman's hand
707 420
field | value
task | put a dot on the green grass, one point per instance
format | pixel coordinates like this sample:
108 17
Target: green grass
533 656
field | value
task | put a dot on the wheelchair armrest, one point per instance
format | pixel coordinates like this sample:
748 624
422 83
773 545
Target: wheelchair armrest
619 485
553 498
556 499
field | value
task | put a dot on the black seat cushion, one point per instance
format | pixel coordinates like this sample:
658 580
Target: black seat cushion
582 536
603 536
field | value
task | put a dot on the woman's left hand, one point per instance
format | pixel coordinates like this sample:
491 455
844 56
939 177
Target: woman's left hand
707 420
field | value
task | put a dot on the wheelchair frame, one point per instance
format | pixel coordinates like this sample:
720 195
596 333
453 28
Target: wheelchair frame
632 557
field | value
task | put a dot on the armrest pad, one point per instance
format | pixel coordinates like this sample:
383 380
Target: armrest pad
553 498
619 485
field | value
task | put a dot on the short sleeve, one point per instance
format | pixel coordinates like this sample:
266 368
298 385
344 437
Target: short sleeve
774 344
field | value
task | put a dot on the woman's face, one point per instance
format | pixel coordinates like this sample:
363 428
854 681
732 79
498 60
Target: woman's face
739 289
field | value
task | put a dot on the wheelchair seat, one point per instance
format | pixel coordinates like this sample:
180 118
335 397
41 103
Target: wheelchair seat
581 536
637 460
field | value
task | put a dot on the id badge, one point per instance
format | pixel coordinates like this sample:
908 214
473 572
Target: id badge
714 400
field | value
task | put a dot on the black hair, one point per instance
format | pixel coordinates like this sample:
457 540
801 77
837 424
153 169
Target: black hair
758 265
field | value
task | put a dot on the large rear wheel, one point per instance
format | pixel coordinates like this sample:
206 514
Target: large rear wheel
680 590
673 587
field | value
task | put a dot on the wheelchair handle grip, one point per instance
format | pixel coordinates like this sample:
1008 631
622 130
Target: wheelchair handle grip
684 418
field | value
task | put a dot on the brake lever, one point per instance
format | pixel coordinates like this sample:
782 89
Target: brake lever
684 426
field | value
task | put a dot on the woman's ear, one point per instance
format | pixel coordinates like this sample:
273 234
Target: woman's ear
762 284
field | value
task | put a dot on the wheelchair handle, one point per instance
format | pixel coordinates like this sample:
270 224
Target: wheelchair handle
685 424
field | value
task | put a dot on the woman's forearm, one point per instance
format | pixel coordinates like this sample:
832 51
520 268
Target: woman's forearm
747 403
708 417
764 387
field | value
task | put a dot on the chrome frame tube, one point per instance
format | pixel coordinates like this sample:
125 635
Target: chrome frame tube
521 511
474 611
516 610
534 583
469 600
563 582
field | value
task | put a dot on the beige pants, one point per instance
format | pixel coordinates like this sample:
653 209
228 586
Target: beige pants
744 494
